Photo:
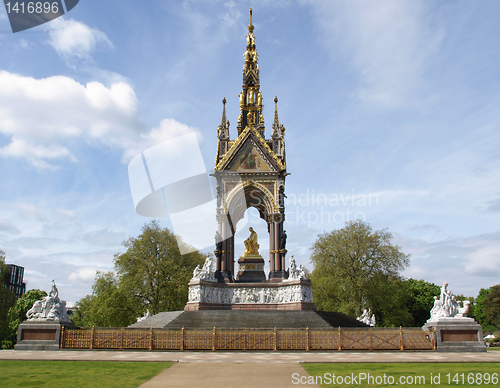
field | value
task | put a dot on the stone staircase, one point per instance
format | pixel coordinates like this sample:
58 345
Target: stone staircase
158 320
235 319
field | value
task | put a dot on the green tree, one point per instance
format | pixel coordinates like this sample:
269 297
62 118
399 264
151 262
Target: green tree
480 311
492 306
151 274
491 309
420 299
348 263
108 306
153 269
17 313
387 299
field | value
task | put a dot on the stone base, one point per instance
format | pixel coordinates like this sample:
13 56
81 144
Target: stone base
457 334
251 269
277 276
289 295
40 335
294 306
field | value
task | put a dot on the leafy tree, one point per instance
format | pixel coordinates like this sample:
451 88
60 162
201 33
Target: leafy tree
489 308
17 313
151 274
420 299
108 306
480 311
350 262
153 270
492 306
387 300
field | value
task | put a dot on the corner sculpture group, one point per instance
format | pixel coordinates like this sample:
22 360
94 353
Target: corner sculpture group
446 306
50 308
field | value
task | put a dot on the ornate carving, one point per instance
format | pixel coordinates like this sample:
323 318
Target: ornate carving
146 316
206 272
50 308
447 306
265 295
367 317
294 272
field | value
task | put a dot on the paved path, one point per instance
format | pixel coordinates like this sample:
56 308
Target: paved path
248 357
208 375
241 369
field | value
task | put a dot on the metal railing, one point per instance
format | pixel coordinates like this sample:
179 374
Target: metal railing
248 339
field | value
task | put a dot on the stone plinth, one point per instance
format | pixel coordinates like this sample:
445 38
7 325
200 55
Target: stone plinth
457 334
290 295
251 268
40 335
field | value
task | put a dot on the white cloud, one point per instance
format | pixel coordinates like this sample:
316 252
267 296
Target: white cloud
85 274
36 154
468 264
42 116
168 128
30 212
388 43
7 226
485 258
75 40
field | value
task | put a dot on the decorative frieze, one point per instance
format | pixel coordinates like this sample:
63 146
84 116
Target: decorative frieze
275 293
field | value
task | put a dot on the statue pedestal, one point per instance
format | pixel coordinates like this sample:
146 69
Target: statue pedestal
251 268
290 295
457 334
40 335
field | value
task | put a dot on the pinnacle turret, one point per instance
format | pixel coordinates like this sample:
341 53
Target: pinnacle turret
276 134
223 128
251 96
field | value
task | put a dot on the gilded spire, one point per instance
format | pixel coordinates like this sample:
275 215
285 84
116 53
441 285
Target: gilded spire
224 120
223 128
276 123
250 26
250 96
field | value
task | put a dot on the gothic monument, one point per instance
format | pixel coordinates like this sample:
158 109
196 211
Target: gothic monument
250 172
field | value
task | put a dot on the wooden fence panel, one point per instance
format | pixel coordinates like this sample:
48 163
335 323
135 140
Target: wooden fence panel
290 339
248 339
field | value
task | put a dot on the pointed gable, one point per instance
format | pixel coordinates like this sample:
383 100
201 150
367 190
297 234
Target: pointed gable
250 153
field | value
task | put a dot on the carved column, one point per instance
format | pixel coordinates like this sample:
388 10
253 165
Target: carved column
271 246
277 255
224 247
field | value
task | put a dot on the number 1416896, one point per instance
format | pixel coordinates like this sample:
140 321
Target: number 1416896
32 7
472 378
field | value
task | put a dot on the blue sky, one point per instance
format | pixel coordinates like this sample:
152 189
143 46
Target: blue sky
390 108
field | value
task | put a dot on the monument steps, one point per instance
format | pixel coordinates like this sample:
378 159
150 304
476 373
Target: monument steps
158 320
228 319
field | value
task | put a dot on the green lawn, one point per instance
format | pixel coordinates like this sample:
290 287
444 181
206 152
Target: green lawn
412 374
77 373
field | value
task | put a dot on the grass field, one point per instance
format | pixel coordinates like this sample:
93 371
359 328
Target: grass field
404 374
77 373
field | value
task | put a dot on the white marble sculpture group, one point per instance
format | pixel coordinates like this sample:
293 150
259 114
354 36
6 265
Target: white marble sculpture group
295 272
446 306
144 317
206 272
367 317
50 308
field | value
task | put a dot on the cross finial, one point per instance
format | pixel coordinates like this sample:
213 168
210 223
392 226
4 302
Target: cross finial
250 26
